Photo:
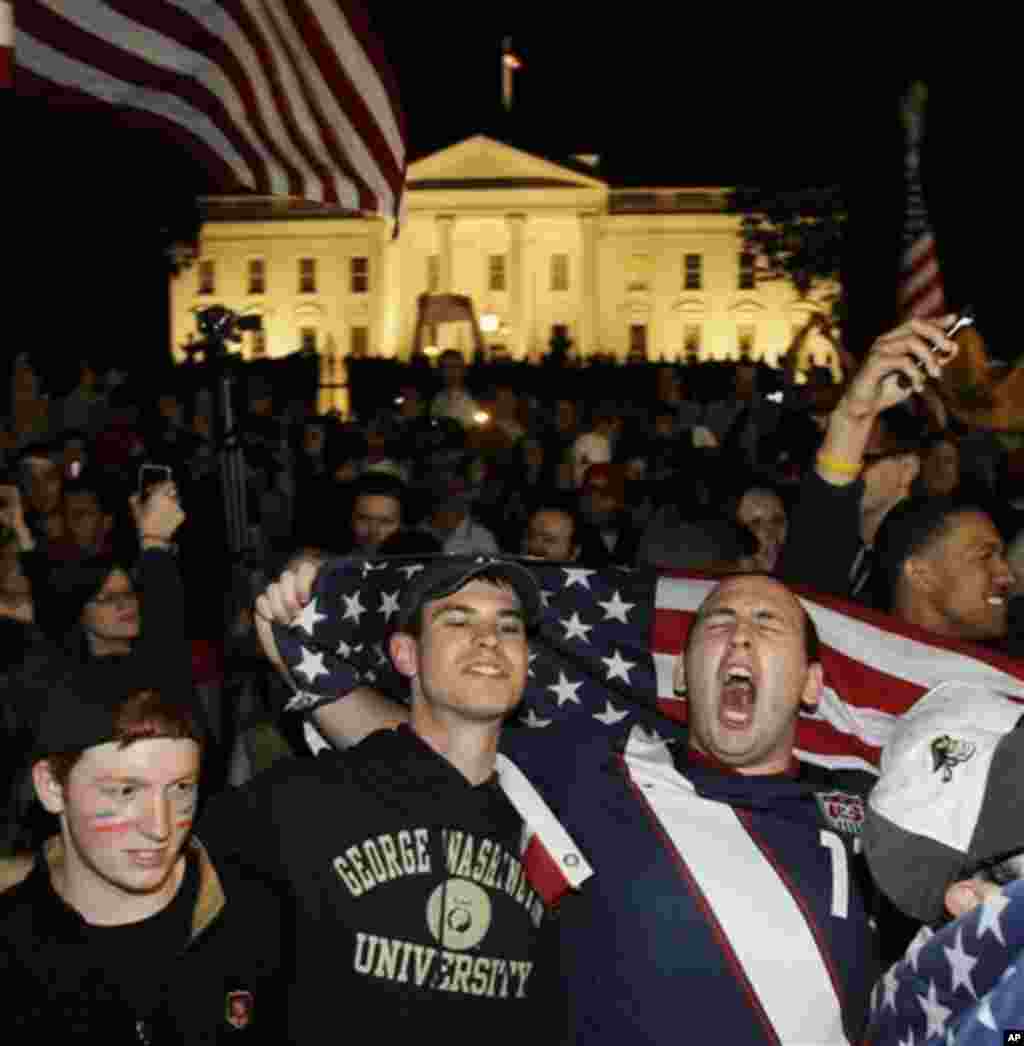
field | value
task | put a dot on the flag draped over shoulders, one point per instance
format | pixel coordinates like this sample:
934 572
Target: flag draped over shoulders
280 97
607 644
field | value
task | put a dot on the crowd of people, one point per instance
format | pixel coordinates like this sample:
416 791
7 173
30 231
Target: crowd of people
712 892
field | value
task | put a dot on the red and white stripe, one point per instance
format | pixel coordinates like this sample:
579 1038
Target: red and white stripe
6 42
921 292
876 667
285 97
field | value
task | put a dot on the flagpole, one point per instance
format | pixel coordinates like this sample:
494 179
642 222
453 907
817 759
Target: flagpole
921 287
509 64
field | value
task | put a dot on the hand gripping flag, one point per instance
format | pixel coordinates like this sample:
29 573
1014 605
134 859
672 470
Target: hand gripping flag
280 97
607 644
962 984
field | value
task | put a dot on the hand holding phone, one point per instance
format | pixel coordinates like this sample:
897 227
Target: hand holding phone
965 319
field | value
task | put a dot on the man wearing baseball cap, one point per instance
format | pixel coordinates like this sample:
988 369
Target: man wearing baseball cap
944 836
413 907
121 928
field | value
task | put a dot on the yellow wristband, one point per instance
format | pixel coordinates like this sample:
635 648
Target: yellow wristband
840 465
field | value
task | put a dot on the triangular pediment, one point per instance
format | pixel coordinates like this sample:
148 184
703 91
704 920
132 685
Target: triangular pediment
482 162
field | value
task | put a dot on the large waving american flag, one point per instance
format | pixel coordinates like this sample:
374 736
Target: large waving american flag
281 97
607 645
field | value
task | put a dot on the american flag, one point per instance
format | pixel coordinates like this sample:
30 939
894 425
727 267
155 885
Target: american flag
6 42
963 984
281 97
921 292
605 649
607 645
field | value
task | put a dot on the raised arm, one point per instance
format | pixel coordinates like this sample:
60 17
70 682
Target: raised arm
830 496
875 388
342 722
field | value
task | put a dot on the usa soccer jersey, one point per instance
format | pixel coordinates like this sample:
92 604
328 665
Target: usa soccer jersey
725 908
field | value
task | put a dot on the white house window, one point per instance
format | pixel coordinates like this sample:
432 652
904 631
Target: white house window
359 342
747 280
496 272
207 281
359 268
257 276
559 272
745 341
307 276
693 272
638 340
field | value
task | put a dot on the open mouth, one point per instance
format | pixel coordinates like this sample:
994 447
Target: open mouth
737 698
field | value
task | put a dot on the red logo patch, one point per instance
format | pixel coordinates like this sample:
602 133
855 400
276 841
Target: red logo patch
238 1009
843 811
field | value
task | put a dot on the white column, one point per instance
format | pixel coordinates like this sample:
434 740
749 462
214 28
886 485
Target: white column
384 291
445 229
589 335
518 293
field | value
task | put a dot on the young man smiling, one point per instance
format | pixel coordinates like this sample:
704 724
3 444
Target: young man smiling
121 929
403 854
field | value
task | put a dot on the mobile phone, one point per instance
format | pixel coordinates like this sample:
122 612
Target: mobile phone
965 319
151 476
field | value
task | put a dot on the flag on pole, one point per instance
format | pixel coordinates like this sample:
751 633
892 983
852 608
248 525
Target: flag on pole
921 292
509 64
284 98
6 42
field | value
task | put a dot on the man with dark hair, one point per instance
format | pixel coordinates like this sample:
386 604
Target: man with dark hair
378 510
945 568
724 869
88 521
554 530
121 928
403 855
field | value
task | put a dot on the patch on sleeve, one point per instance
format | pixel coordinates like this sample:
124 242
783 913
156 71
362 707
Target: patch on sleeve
239 1009
842 810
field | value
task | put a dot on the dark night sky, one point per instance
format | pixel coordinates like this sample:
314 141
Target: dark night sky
668 103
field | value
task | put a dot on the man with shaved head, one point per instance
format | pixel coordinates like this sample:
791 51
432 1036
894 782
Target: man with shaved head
724 869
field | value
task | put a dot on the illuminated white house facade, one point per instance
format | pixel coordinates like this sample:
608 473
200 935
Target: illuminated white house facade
539 247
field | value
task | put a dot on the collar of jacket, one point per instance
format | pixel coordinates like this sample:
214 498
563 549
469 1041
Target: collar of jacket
209 903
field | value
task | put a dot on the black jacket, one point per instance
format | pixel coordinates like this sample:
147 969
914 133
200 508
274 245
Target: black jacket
55 991
415 921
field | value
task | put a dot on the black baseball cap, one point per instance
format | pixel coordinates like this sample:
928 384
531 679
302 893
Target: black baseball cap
443 575
73 706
